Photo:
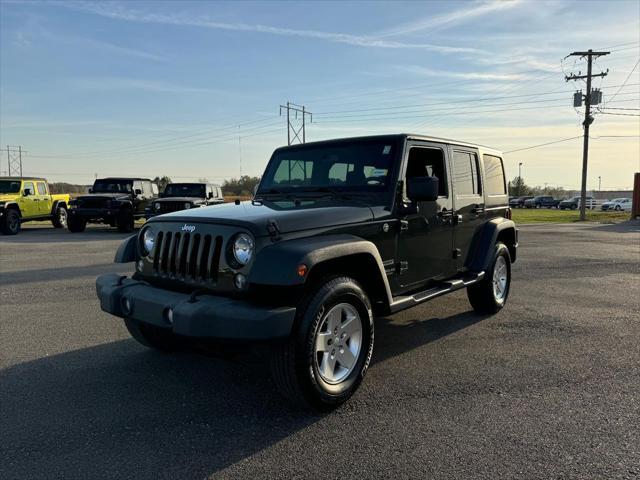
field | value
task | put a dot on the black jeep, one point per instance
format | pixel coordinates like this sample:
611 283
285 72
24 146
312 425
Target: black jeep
117 202
338 232
183 196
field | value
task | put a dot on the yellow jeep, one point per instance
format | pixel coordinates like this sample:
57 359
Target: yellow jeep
23 199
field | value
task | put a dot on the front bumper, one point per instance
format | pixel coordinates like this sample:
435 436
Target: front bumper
202 316
92 213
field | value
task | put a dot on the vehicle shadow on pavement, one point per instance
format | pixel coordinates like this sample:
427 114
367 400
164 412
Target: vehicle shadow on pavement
62 273
121 411
53 235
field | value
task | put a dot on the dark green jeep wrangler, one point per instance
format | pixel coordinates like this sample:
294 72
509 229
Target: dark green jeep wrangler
338 232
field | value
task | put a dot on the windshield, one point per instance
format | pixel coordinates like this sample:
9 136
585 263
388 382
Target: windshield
185 190
9 186
363 165
112 186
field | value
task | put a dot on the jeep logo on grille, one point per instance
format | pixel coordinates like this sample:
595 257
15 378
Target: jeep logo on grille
188 228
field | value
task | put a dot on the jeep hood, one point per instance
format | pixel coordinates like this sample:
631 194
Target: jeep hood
179 199
289 216
9 197
103 196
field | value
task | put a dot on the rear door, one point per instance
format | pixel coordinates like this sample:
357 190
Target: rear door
44 203
468 199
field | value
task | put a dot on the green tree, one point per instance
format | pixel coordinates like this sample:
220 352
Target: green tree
517 188
162 182
240 186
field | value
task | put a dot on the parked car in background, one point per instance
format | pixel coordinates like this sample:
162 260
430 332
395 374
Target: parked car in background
117 202
183 196
574 202
618 204
24 199
518 202
543 201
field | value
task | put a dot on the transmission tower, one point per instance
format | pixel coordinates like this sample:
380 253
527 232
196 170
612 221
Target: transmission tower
14 160
296 131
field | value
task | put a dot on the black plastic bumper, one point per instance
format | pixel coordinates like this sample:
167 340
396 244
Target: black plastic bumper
205 316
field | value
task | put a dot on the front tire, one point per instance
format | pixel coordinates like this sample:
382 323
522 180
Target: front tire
75 224
60 217
490 294
153 337
326 358
11 222
125 222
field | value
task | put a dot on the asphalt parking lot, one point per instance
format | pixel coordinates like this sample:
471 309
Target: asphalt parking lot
548 388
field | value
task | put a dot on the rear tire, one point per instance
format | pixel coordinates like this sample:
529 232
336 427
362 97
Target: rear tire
490 294
60 217
574 207
326 357
153 337
75 224
11 222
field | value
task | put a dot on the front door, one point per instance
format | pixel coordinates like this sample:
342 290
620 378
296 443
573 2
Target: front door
468 199
29 204
425 239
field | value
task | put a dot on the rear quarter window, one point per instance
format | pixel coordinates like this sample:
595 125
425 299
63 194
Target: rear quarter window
494 178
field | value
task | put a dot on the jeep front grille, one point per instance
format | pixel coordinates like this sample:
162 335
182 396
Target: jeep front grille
167 207
193 258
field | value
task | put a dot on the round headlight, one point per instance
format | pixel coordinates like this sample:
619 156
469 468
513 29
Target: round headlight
148 241
187 206
156 206
243 248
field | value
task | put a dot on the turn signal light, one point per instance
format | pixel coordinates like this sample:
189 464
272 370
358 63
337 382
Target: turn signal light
302 270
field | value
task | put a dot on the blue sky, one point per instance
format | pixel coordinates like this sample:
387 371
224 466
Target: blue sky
151 88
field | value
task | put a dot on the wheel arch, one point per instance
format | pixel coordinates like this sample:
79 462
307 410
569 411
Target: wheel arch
56 204
13 206
496 230
330 255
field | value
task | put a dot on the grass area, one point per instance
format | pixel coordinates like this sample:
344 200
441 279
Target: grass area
543 215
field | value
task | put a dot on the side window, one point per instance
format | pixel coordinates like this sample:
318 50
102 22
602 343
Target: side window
29 186
466 177
428 162
494 178
42 188
146 188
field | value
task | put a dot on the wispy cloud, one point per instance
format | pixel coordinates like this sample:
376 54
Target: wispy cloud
124 83
488 76
120 12
454 17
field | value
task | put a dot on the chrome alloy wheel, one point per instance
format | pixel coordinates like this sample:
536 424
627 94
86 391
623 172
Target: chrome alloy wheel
62 216
338 343
500 274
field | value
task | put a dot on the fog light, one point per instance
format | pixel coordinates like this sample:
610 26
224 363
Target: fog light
240 281
169 315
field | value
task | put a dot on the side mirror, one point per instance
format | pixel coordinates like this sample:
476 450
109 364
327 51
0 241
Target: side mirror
138 191
27 192
210 195
90 190
422 189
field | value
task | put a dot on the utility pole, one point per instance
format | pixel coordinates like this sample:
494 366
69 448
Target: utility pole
14 160
294 132
588 119
599 183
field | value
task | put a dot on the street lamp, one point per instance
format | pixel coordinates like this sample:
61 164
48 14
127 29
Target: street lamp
520 170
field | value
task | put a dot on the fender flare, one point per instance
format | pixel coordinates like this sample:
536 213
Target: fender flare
14 205
127 250
277 264
55 205
485 239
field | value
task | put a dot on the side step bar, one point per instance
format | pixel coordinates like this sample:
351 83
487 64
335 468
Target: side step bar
400 303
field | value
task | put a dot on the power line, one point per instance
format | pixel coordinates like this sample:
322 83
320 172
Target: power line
626 80
543 144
